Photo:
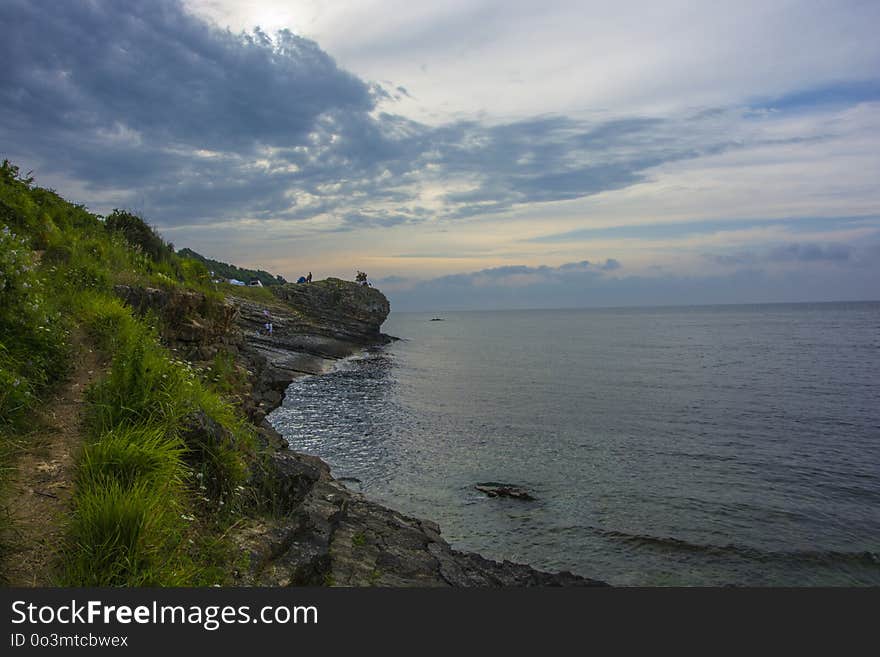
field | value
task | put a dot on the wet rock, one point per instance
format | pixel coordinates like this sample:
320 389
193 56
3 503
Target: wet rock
495 489
352 483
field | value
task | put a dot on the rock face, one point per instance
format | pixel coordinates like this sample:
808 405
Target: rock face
313 326
344 310
193 324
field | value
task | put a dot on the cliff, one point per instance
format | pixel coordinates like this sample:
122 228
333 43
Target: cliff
323 532
319 532
338 308
313 326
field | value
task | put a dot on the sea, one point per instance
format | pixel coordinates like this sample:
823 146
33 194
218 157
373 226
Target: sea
687 446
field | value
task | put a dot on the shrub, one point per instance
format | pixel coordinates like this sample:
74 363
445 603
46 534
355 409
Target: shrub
34 337
139 234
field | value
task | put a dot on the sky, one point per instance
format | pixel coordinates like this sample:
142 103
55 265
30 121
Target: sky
472 155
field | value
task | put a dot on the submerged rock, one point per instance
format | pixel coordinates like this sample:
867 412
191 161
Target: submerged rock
495 489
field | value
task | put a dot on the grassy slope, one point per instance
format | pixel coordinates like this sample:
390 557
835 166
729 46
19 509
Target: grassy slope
152 499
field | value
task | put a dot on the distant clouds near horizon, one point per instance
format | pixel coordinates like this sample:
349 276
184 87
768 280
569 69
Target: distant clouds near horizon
471 154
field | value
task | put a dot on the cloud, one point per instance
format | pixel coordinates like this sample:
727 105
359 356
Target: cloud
509 285
811 253
148 105
263 145
746 279
152 72
667 230
797 253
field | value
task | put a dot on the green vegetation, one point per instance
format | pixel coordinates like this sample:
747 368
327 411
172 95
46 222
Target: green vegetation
165 457
140 235
259 294
225 270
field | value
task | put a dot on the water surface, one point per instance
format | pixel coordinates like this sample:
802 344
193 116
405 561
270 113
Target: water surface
680 446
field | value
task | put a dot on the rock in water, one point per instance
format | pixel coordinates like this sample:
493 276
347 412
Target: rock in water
495 489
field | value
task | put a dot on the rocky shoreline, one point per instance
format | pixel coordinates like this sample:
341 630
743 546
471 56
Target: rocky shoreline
320 532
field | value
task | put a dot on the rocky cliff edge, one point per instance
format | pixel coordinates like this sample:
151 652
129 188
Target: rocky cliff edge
320 532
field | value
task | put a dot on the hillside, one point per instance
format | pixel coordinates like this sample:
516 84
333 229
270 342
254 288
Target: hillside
149 473
227 271
131 438
134 445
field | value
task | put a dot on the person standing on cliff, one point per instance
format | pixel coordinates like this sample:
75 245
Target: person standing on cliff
309 278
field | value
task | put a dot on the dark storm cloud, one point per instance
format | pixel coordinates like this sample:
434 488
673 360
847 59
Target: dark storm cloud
157 70
199 124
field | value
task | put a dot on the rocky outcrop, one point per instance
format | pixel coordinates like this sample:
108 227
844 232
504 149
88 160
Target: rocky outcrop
194 324
313 326
322 532
340 309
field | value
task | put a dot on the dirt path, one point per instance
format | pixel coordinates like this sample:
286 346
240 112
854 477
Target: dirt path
38 495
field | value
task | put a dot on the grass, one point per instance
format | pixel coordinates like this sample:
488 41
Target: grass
128 457
260 294
224 376
153 426
122 536
165 465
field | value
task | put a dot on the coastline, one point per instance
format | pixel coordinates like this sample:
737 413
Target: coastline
323 533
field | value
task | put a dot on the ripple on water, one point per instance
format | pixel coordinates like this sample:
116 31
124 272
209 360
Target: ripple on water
666 446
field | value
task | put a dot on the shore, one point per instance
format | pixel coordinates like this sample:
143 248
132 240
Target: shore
322 532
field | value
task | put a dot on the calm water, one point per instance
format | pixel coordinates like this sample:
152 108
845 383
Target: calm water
686 446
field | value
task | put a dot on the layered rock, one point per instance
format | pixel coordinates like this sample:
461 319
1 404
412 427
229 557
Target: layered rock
341 309
313 326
